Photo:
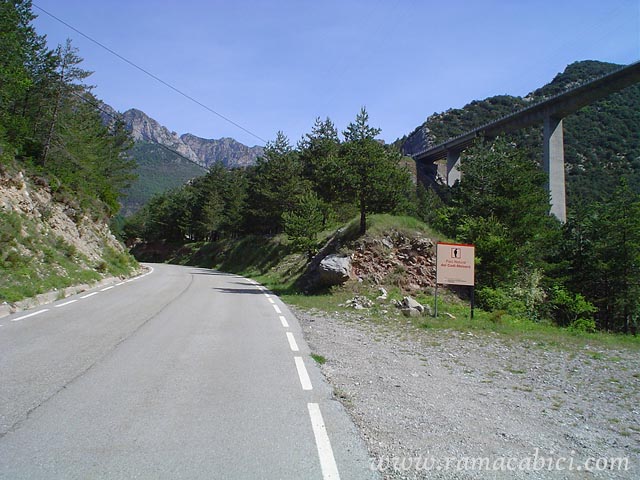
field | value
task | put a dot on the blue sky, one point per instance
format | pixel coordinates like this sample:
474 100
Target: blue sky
277 65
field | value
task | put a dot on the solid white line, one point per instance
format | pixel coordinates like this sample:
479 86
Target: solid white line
108 288
325 452
118 284
90 295
271 300
292 342
30 315
283 321
276 308
305 381
65 303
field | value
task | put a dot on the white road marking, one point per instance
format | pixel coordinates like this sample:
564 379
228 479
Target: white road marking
90 295
108 288
276 308
284 322
29 315
292 342
271 300
325 452
267 295
65 303
118 284
305 381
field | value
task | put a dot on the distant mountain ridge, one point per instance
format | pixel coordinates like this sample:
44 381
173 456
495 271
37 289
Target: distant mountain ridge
159 169
203 151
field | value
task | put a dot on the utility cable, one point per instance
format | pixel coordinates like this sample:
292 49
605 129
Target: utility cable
148 73
118 117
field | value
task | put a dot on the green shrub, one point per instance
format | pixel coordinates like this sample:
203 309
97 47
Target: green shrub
499 299
583 325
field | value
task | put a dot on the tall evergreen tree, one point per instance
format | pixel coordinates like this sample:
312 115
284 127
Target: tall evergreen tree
369 173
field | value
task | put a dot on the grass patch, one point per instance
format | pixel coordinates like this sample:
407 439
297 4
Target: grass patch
34 262
319 358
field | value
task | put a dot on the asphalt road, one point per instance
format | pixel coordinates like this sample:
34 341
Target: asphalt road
182 373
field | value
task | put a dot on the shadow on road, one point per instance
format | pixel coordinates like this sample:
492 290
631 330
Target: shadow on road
253 291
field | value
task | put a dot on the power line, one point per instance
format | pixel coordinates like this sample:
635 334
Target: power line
148 73
119 117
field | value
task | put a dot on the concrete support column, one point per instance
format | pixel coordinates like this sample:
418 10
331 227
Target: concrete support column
553 164
453 162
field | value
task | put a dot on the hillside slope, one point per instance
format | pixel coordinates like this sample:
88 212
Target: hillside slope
159 169
601 140
49 243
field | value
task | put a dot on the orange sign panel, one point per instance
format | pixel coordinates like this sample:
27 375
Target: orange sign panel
455 264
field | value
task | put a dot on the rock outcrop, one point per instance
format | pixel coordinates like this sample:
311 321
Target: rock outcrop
334 270
396 259
203 151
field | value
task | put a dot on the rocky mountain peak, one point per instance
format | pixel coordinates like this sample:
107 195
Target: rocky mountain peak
204 152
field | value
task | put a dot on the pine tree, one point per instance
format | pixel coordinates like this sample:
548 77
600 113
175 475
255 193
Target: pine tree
369 173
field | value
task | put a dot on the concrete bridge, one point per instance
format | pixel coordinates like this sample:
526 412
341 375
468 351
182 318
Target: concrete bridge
550 113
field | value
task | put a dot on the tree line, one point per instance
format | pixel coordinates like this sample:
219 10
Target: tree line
50 122
584 274
298 190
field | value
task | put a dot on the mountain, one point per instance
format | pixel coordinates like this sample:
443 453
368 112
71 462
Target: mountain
166 160
231 153
146 129
203 151
601 140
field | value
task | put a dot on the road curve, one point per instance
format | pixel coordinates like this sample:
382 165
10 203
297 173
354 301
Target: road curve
183 373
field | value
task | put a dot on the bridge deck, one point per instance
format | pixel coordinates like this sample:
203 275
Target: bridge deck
557 106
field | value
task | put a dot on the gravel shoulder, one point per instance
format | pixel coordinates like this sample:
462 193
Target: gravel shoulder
430 403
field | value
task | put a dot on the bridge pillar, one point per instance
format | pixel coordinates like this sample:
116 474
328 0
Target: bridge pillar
453 162
553 164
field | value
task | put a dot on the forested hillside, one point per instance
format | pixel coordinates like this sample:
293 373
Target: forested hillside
61 169
601 140
158 170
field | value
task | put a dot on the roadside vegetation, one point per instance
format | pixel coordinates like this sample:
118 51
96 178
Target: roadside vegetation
580 276
54 145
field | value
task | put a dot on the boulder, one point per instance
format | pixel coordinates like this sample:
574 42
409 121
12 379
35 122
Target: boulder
408 302
411 312
383 294
334 270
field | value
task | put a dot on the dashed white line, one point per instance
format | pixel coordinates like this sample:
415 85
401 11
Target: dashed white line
305 381
292 342
325 452
29 315
107 288
284 322
89 295
276 308
271 300
65 303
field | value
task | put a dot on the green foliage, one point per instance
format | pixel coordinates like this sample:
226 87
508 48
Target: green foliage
571 309
369 173
275 186
303 224
32 263
602 248
157 171
508 221
50 121
601 141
